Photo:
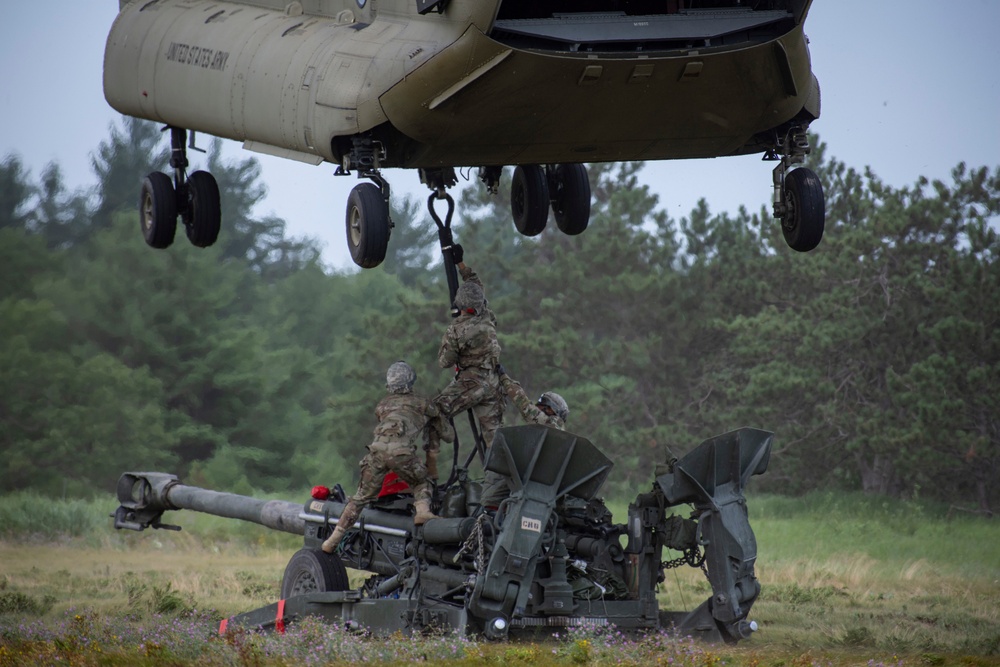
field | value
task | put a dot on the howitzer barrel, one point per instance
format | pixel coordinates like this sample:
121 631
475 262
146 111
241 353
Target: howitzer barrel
145 496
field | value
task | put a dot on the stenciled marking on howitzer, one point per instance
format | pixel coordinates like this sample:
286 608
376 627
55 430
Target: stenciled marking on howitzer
534 525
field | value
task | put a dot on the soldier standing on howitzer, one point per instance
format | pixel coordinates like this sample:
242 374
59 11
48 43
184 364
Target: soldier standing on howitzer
470 346
405 420
549 410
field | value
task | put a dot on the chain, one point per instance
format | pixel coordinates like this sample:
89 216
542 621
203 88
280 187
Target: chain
690 557
475 541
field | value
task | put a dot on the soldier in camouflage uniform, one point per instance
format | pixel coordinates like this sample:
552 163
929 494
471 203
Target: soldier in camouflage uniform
549 410
404 421
470 346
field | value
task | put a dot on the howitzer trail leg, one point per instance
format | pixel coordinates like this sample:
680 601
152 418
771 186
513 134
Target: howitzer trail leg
711 478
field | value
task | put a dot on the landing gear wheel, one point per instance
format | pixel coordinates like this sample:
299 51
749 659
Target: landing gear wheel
204 213
367 225
571 198
158 210
312 571
805 210
529 199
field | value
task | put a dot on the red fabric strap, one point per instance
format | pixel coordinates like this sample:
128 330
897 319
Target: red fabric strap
279 618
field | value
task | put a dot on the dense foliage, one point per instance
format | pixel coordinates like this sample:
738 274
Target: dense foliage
875 358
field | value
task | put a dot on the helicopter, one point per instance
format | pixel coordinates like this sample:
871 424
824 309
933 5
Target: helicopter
543 86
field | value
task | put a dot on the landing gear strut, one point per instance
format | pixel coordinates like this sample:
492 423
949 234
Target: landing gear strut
798 194
368 221
194 198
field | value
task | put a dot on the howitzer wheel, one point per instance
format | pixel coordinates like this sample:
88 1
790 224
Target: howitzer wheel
313 571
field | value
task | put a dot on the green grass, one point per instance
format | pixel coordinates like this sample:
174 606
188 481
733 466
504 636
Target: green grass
891 532
31 517
846 580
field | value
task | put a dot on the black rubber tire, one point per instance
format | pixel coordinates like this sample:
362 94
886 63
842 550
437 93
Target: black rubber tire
204 214
529 199
158 210
805 210
571 199
367 225
313 571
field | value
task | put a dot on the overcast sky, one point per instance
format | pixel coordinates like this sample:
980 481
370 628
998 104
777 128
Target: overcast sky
909 87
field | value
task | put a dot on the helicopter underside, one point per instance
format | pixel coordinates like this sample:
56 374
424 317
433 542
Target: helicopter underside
525 105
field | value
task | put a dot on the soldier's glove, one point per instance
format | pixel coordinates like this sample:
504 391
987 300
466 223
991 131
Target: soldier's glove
457 252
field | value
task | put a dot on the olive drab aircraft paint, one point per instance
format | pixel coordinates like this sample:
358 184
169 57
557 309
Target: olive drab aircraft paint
541 85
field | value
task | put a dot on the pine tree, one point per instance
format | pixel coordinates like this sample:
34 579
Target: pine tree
15 194
134 149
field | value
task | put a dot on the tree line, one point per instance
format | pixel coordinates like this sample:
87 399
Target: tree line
247 366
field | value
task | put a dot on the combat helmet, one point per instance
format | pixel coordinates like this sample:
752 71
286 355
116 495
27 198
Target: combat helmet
469 295
556 402
400 377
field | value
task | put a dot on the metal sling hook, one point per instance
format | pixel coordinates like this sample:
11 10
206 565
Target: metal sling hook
447 243
451 210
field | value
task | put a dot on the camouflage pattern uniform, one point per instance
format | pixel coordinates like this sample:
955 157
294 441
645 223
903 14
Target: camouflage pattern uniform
529 410
404 421
470 346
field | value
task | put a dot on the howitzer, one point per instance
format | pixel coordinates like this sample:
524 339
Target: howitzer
550 557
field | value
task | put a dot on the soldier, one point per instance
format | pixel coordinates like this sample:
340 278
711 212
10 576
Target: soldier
470 346
404 420
549 410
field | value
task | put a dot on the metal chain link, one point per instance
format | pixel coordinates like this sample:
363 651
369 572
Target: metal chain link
691 557
475 541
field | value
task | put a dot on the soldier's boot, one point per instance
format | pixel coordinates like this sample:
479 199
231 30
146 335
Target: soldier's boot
330 545
424 513
346 521
432 464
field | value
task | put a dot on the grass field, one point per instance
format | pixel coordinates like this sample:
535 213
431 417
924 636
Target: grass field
846 580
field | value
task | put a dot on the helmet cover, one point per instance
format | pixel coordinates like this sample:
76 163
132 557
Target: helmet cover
400 377
556 402
469 295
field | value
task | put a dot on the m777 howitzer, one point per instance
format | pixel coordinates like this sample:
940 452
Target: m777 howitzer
548 559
